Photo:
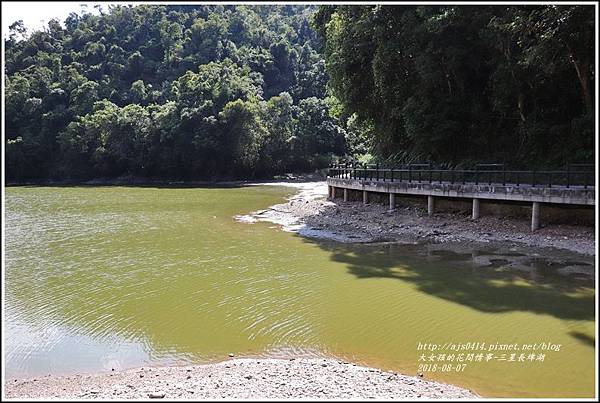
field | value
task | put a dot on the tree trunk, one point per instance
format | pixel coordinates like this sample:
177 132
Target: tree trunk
584 80
582 67
520 102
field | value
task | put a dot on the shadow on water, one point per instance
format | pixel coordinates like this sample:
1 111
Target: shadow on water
584 338
484 280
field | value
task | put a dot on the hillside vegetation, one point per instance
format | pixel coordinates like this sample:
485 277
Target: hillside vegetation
220 92
461 84
199 92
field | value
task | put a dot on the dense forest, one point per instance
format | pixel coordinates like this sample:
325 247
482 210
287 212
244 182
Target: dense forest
217 91
461 84
193 92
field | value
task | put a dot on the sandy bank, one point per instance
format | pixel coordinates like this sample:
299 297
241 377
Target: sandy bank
239 379
310 214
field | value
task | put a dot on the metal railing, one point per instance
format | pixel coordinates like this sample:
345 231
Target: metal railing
581 176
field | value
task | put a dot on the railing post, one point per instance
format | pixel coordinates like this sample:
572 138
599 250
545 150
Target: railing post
391 174
533 178
409 174
377 172
503 175
477 175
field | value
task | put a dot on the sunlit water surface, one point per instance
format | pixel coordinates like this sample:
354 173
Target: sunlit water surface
114 277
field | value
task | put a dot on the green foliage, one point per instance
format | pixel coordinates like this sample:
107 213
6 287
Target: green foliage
452 84
194 92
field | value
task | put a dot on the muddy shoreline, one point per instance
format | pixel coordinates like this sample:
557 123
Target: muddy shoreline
310 214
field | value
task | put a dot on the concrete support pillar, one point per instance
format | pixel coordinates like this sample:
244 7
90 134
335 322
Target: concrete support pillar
475 214
365 197
430 205
329 195
392 201
535 216
345 194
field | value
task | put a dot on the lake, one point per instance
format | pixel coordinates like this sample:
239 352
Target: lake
116 277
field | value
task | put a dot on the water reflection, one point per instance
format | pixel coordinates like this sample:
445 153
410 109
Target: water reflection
151 274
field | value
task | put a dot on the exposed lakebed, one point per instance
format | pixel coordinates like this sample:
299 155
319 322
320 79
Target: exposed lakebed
116 277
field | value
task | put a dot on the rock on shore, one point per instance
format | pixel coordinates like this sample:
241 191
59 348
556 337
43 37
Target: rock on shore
310 214
241 378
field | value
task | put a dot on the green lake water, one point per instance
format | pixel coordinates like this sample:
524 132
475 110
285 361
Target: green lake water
115 277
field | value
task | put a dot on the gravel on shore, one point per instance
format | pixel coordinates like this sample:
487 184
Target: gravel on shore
310 214
240 378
